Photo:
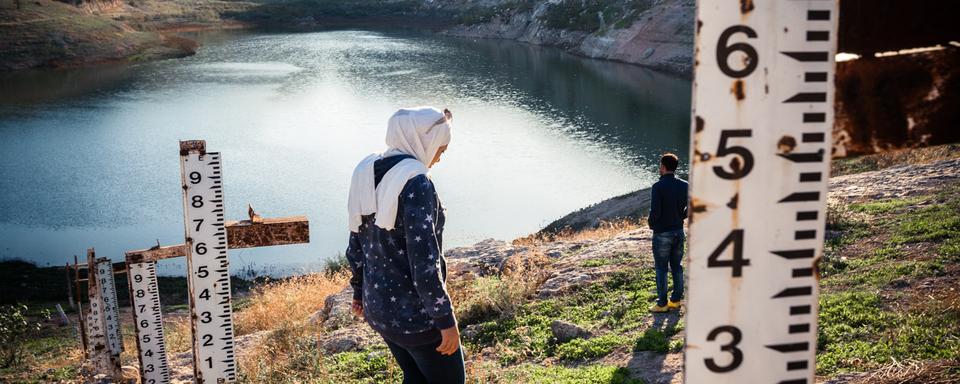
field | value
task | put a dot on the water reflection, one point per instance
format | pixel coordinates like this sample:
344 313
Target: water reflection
89 155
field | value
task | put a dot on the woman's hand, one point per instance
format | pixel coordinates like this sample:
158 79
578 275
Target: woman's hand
357 308
450 342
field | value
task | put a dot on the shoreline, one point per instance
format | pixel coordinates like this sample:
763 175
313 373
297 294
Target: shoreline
48 34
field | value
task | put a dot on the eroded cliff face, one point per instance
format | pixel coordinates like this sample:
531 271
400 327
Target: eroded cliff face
658 35
96 6
59 34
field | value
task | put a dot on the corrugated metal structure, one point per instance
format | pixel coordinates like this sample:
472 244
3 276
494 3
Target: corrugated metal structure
902 101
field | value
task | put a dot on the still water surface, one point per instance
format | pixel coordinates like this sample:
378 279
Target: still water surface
90 157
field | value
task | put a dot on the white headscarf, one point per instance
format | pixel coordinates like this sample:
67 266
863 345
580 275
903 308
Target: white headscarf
419 132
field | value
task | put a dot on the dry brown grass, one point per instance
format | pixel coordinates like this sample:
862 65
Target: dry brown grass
176 333
480 298
270 360
914 372
877 161
286 302
606 230
283 307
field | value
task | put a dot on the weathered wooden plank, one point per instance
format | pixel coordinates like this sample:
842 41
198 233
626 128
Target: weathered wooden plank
240 234
277 231
155 253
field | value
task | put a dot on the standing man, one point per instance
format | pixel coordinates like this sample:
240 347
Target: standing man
668 209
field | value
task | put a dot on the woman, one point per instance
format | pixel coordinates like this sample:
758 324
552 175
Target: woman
395 254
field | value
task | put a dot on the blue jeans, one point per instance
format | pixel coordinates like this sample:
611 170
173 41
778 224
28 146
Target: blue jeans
668 255
423 364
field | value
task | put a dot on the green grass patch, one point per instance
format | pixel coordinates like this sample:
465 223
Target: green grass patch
886 206
882 275
657 339
856 333
596 374
652 340
41 358
619 303
676 345
934 223
614 259
308 363
581 349
950 250
372 366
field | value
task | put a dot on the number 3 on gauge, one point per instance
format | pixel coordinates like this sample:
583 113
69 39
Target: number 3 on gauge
730 347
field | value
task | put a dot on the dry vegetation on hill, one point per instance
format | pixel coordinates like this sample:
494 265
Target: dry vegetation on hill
574 307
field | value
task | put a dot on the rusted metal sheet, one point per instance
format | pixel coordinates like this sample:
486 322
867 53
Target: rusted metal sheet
79 298
763 108
868 26
155 253
118 267
240 234
897 102
279 231
197 146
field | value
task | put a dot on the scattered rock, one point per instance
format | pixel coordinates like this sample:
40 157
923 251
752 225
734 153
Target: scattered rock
355 338
483 259
661 38
564 331
337 312
895 182
563 281
470 332
900 283
633 205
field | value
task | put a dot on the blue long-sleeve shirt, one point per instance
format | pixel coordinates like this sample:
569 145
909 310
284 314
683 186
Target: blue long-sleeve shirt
400 274
668 204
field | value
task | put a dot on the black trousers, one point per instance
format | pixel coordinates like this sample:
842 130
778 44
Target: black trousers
424 365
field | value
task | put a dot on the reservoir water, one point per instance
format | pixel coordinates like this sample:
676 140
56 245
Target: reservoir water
89 157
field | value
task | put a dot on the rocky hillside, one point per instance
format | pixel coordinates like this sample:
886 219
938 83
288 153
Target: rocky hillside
54 34
45 33
575 308
653 33
890 308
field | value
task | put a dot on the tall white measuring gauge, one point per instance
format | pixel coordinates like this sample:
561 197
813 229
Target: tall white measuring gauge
110 309
209 276
760 151
148 322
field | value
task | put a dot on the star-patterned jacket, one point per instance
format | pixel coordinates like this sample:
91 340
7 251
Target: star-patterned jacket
400 274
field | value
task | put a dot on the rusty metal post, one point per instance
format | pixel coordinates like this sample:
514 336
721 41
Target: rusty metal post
66 269
80 318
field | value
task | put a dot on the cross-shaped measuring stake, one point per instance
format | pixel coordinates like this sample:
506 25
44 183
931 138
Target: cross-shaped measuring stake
208 237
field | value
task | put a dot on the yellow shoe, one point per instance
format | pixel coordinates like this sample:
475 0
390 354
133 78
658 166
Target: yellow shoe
674 304
660 309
